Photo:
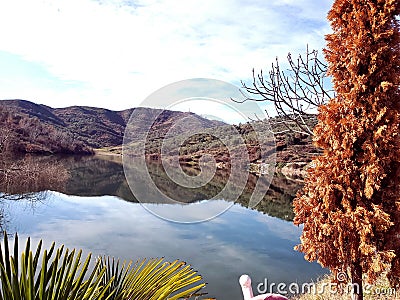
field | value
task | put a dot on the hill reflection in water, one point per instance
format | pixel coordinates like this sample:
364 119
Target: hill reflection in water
92 176
80 215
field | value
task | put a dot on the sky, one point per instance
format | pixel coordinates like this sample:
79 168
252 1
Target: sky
115 53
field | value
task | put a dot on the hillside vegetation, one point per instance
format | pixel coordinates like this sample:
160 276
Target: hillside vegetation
263 140
20 133
41 129
78 129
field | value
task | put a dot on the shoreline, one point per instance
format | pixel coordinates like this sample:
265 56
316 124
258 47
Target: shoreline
295 171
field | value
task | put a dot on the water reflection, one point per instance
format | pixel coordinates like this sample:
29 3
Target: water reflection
26 177
239 241
91 176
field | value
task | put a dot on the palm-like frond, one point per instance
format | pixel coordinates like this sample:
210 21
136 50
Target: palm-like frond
62 276
151 279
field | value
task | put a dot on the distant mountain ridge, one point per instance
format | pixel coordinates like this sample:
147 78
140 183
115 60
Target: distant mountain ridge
93 127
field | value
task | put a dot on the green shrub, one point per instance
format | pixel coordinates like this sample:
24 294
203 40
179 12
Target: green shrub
62 276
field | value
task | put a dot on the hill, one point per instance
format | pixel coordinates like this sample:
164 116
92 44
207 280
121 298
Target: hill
264 141
36 128
78 129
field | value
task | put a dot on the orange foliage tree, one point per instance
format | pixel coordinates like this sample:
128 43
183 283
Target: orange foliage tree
350 204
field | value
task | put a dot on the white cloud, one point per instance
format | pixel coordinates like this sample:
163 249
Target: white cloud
124 50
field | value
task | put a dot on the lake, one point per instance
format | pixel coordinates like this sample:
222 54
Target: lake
97 212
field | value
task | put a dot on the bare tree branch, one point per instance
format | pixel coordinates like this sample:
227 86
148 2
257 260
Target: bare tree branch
296 92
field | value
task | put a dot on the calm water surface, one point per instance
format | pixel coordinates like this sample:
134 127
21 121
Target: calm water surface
239 241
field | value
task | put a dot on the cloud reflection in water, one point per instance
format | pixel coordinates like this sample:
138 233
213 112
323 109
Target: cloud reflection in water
238 241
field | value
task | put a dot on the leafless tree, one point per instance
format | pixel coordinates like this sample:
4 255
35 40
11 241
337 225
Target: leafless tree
23 178
295 92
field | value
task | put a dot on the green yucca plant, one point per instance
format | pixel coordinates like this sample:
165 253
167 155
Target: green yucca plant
59 276
62 276
150 280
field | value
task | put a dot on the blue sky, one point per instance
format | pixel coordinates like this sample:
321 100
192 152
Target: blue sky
114 53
